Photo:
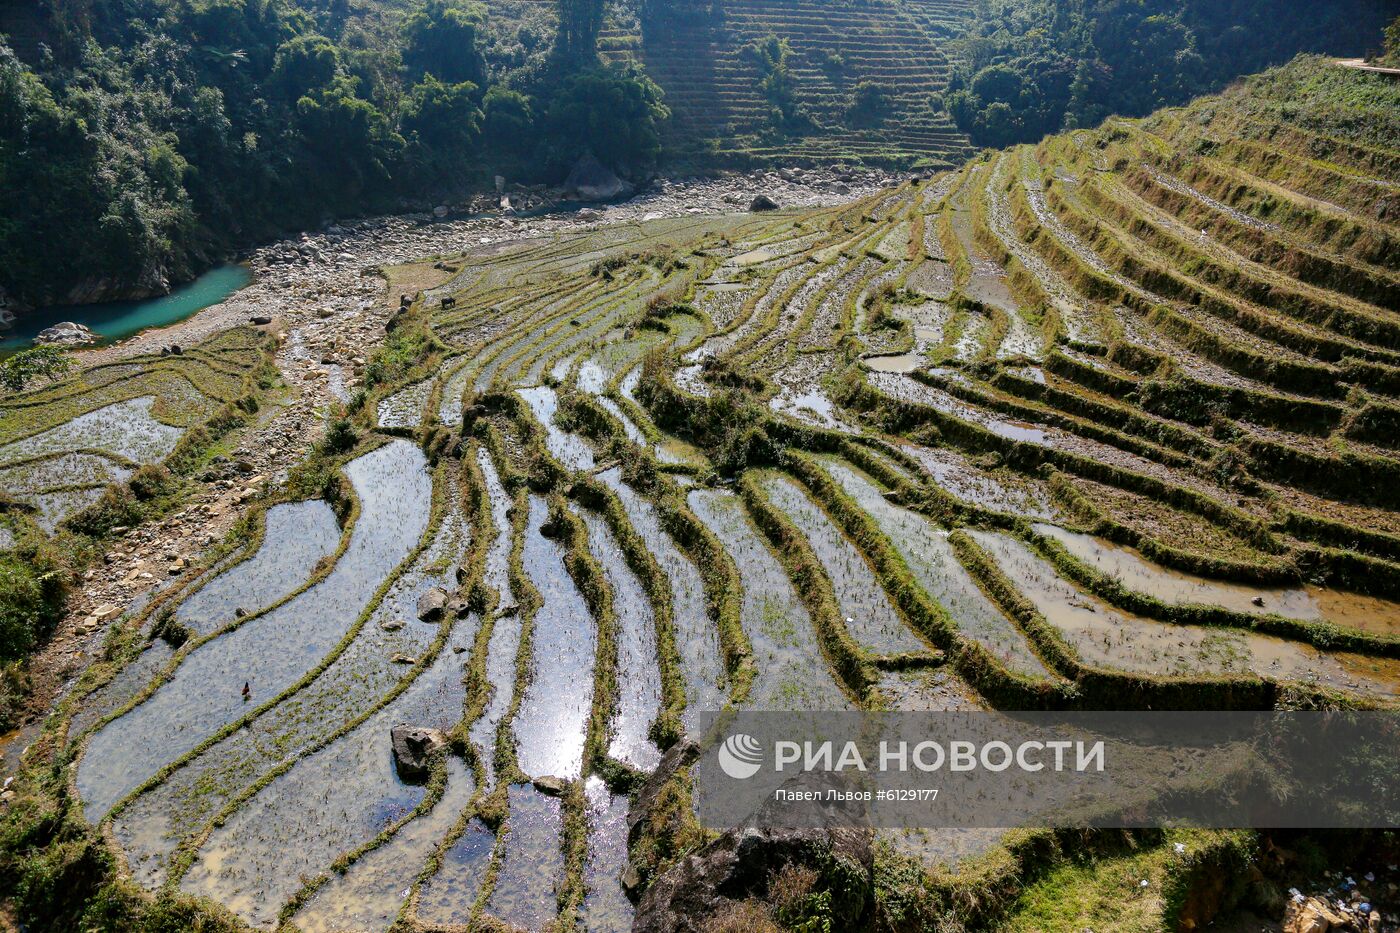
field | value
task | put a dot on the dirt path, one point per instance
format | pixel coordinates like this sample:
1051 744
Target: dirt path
1360 64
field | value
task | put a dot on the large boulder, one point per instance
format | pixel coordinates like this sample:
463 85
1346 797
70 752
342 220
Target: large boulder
591 180
413 750
742 864
67 334
762 203
739 866
679 756
431 604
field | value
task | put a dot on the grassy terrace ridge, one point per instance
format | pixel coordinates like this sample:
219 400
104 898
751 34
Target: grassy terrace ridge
1105 423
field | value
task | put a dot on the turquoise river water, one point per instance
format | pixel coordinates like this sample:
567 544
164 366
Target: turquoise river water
118 319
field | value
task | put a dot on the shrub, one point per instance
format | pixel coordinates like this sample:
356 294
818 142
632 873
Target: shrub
340 437
770 55
614 112
43 362
31 601
870 103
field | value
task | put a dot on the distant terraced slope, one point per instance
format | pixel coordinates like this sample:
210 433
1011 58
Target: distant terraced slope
719 111
713 90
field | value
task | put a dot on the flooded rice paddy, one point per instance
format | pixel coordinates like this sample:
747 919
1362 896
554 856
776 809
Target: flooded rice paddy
999 421
269 652
550 726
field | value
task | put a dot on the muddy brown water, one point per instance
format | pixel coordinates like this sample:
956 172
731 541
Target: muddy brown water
1311 603
895 362
1110 637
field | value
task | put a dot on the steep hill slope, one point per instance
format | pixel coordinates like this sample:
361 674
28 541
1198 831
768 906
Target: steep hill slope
1105 422
714 88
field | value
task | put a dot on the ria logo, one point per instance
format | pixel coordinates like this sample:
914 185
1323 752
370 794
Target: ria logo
740 756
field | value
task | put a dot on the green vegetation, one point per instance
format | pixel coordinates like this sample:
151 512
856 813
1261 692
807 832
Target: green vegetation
1392 43
1033 67
1106 420
148 139
154 137
211 390
43 362
770 55
32 586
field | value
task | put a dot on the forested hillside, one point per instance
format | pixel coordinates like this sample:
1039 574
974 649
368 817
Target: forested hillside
1033 67
142 139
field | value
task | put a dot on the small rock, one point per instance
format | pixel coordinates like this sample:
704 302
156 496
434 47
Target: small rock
392 625
631 879
1311 916
404 659
551 785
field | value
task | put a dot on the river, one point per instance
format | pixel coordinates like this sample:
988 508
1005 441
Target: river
119 319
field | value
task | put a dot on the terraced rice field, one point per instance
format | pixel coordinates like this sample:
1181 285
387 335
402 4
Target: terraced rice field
1106 422
63 444
713 88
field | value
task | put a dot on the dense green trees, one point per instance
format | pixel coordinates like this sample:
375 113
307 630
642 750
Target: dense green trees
442 41
870 103
614 112
771 56
1032 67
579 24
159 134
